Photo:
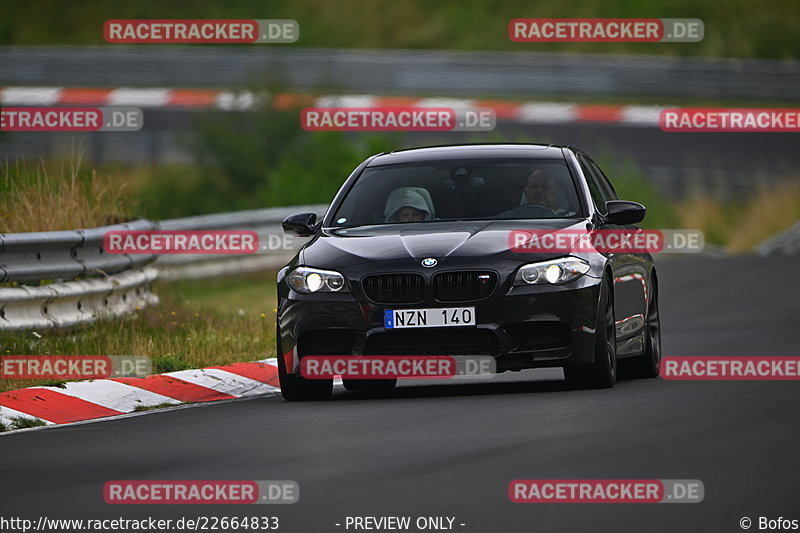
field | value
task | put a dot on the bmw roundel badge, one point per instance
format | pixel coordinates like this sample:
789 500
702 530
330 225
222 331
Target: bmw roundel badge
429 262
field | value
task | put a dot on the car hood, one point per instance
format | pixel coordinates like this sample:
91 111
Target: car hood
414 242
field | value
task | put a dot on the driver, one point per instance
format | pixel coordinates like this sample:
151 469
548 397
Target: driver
541 189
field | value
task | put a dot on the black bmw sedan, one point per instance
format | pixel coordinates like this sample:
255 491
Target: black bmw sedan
414 258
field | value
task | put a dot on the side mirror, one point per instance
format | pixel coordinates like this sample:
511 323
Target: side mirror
622 212
301 224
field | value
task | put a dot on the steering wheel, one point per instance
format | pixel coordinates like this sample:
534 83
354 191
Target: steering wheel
527 209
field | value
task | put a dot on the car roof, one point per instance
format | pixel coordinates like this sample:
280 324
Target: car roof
468 151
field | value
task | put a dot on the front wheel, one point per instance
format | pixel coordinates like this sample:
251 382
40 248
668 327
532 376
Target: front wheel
648 364
297 388
603 372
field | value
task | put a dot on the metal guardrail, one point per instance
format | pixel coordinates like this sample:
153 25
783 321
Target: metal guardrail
786 242
76 302
449 73
265 222
80 283
60 255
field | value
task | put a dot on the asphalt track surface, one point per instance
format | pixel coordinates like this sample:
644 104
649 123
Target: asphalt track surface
451 449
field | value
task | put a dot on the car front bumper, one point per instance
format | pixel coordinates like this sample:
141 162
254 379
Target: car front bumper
521 327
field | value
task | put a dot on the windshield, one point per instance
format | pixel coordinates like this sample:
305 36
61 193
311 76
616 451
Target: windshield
460 190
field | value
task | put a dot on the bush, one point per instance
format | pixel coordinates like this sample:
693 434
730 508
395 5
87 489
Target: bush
265 159
317 166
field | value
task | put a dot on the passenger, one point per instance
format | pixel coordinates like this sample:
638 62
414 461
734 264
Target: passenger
408 204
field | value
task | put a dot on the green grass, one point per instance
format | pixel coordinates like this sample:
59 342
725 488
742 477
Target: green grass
735 28
21 422
60 195
60 384
151 407
731 224
169 363
198 324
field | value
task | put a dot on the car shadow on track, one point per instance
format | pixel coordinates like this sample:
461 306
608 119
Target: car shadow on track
416 389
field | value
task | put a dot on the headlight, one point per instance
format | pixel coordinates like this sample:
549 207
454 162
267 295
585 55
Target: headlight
310 280
554 272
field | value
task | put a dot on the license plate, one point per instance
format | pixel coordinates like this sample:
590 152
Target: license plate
428 318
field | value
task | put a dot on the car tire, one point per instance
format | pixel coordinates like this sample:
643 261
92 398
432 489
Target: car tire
297 388
648 365
602 373
369 384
